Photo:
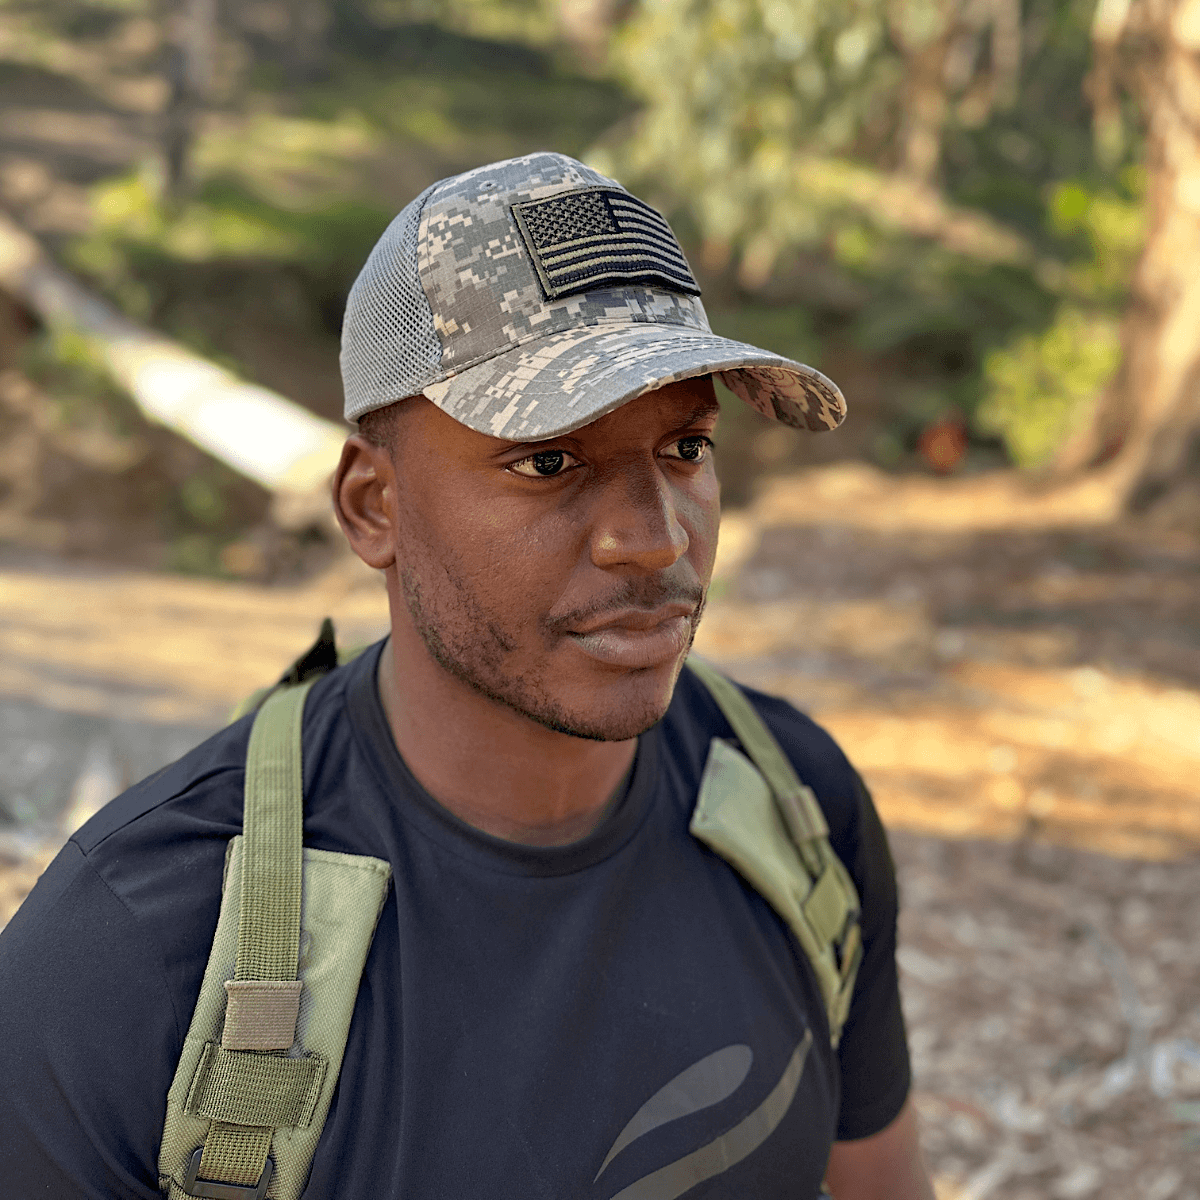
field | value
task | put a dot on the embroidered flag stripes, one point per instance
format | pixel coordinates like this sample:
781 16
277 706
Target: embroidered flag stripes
600 237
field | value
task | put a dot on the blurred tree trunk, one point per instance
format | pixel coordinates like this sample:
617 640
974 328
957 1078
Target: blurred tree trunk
270 439
191 31
923 31
308 45
946 70
1145 431
925 109
587 26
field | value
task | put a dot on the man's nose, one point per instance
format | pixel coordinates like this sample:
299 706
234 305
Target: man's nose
636 524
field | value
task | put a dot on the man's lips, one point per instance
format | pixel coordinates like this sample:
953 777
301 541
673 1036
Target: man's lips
634 619
636 637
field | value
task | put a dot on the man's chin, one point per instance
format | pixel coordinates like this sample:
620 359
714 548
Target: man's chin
612 709
582 699
595 728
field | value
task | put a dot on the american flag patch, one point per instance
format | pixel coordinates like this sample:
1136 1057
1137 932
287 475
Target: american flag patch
600 237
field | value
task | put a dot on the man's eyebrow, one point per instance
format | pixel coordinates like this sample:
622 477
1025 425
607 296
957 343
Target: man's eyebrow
707 409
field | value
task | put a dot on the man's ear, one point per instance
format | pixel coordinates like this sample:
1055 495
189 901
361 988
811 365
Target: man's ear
364 499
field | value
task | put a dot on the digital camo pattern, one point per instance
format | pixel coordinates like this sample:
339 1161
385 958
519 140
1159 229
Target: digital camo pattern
518 366
805 399
481 282
552 386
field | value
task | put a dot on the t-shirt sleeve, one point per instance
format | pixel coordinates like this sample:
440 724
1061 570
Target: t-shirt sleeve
86 1026
873 1050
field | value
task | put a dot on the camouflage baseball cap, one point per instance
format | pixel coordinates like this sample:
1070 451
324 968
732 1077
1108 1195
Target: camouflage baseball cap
529 297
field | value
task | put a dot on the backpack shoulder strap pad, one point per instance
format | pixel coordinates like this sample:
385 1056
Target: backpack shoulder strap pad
262 1054
755 813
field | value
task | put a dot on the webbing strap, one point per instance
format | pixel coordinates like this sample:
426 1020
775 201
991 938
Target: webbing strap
273 823
247 1093
827 922
852 952
243 1087
235 1154
797 805
261 1014
765 753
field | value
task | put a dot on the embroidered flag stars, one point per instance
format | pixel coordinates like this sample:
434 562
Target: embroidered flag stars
598 237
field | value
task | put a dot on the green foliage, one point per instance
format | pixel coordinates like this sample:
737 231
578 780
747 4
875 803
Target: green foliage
228 259
786 330
1041 385
288 195
776 132
734 88
531 22
764 120
195 554
201 500
1008 164
1108 226
465 111
225 219
200 519
73 377
455 79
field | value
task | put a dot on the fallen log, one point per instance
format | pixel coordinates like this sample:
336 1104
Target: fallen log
272 440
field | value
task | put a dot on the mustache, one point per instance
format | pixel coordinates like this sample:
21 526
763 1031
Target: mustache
645 594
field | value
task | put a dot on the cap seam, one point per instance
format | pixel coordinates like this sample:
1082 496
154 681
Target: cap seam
426 197
534 337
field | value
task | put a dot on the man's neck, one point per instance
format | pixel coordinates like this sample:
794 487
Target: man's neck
490 766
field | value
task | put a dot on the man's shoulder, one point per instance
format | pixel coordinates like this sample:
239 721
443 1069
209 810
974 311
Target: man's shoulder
209 779
213 768
814 754
147 868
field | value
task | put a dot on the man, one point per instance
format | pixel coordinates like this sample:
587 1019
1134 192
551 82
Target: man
567 995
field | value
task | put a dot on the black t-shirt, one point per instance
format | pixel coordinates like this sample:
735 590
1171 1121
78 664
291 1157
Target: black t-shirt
523 1011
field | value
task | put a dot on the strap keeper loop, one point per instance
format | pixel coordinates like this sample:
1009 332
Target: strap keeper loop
261 1014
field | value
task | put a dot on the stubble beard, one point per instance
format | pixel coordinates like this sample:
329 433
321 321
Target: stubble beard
475 648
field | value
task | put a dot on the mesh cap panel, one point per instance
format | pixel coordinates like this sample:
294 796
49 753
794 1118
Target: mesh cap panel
390 348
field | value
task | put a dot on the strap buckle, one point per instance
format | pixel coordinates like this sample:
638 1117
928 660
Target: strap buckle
212 1190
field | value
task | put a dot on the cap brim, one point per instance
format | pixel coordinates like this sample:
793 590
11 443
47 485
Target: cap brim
551 386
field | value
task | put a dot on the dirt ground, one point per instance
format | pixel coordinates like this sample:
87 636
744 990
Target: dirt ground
1019 686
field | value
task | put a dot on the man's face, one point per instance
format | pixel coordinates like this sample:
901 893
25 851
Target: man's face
564 579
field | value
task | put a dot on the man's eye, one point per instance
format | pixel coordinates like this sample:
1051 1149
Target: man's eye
543 464
693 449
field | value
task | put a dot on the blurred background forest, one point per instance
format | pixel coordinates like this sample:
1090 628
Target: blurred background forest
962 210
980 217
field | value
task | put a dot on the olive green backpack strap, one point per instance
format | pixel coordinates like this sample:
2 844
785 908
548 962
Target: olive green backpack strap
755 813
262 1054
